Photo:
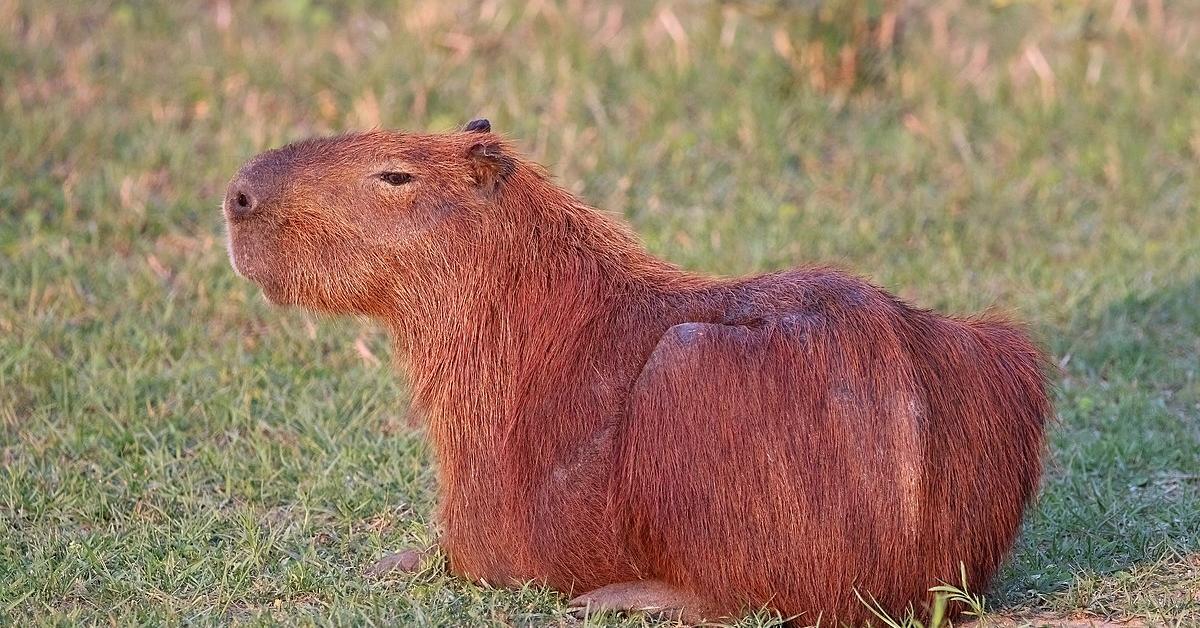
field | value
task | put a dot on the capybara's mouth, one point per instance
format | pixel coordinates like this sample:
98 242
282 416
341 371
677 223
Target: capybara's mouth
231 250
273 289
236 247
245 256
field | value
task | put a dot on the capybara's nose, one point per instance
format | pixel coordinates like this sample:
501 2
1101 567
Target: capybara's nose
241 201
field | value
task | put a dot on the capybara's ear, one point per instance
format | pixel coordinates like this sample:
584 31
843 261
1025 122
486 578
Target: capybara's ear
478 126
489 165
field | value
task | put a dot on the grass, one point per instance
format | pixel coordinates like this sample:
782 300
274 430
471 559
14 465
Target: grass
174 450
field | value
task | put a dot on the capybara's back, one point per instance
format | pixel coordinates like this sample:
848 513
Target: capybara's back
821 438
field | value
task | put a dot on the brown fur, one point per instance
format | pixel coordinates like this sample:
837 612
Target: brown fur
601 417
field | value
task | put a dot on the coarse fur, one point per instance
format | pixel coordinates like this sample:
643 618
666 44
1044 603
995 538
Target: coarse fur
601 418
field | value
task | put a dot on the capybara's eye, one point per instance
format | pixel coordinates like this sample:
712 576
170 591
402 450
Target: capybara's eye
395 178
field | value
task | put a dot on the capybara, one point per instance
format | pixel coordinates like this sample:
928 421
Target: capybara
639 436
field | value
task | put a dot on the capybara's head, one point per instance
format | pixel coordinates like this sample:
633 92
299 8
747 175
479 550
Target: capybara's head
339 224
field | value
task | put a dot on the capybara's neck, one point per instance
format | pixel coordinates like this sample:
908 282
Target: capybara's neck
520 305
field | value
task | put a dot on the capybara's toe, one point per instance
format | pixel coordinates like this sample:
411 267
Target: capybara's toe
406 561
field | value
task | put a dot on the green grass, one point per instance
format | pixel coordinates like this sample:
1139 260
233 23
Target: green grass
173 449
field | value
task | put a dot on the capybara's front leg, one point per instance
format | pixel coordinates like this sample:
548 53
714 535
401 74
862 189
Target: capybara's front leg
404 561
647 596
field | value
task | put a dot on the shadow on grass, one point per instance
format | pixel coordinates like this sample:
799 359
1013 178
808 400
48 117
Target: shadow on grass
1118 520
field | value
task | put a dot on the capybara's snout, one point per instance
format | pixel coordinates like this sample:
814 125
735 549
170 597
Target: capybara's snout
258 185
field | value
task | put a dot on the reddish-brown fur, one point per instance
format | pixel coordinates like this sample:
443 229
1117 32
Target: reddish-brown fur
600 416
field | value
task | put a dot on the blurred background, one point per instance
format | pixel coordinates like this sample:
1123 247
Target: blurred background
174 449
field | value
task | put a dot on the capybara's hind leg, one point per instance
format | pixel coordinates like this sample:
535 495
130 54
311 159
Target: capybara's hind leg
404 561
647 596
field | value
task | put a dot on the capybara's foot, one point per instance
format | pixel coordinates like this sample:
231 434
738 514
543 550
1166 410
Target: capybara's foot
404 561
647 596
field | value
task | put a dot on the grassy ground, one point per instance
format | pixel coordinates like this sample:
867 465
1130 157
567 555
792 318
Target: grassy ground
173 449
